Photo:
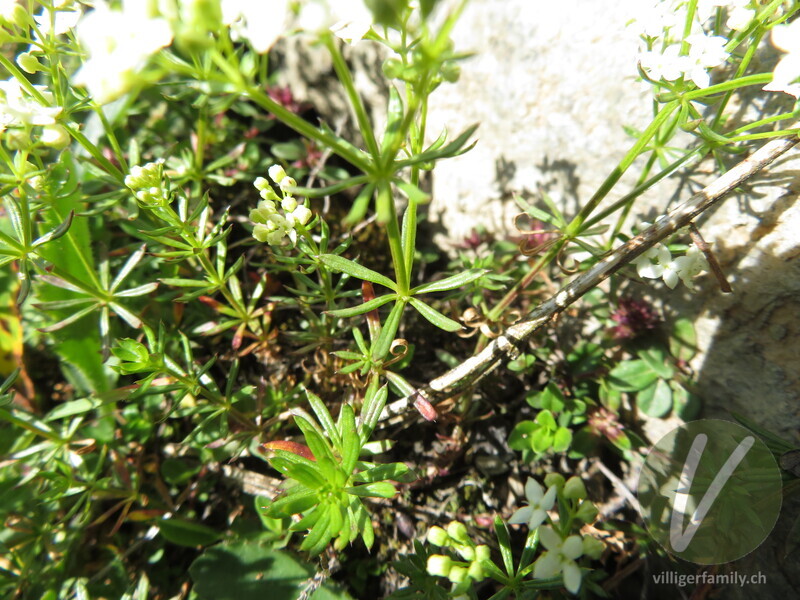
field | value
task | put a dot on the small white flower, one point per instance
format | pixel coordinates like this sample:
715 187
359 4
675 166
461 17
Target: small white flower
787 72
351 31
289 203
270 225
61 22
739 18
684 268
287 183
658 18
560 558
667 65
539 502
651 263
119 43
439 565
261 23
658 262
706 51
17 108
349 20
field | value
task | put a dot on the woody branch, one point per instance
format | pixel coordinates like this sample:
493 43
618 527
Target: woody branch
509 344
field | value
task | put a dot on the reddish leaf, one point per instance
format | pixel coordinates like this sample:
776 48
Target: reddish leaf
293 447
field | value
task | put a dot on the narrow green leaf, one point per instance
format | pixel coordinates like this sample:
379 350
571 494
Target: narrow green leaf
351 444
139 290
379 489
56 233
412 192
371 411
70 319
130 318
126 269
381 347
319 447
450 283
324 416
504 541
394 113
308 476
293 503
356 270
320 535
393 471
363 308
360 205
452 149
434 316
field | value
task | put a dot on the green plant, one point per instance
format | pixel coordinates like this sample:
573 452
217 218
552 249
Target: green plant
327 478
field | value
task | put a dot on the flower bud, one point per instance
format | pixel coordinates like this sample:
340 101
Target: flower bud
554 480
457 574
475 571
288 203
458 532
55 136
440 565
483 552
301 215
29 63
276 173
287 183
438 536
466 552
574 488
260 232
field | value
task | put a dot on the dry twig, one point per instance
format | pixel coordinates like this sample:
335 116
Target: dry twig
510 343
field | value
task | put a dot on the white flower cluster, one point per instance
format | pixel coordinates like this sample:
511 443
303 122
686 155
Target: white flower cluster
658 262
562 553
20 110
119 43
271 226
786 76
662 26
147 184
705 52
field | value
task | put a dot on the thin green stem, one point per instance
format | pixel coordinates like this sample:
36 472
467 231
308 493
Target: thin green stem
757 79
288 118
384 192
576 225
639 189
346 79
